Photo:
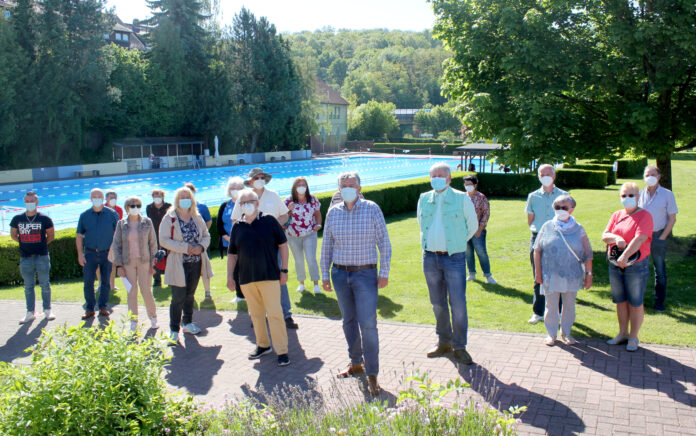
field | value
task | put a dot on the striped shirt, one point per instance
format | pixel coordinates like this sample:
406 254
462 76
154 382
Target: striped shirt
351 238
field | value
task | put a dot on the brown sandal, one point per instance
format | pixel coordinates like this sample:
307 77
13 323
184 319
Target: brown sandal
351 371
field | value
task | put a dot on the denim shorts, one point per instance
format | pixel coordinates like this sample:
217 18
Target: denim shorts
628 284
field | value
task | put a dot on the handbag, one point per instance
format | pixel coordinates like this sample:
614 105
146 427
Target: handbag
161 255
615 252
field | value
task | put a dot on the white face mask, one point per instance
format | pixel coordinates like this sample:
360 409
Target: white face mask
97 202
157 200
469 188
301 190
260 183
112 202
248 209
233 194
31 207
349 194
134 211
650 181
546 181
562 215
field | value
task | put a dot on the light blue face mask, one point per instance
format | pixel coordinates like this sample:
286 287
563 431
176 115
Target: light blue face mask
349 194
31 207
185 203
629 202
438 183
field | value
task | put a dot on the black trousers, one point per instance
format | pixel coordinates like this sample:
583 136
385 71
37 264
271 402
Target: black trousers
183 296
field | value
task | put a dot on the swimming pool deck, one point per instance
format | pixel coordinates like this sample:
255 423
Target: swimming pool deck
591 388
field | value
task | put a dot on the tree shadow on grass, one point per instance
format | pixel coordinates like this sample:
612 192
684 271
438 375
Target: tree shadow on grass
542 412
162 293
320 303
386 307
24 337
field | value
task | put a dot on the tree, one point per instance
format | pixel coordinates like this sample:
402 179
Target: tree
373 121
438 119
587 79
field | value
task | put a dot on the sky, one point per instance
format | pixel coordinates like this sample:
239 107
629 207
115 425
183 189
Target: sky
299 15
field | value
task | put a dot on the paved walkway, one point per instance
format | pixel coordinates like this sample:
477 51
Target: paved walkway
591 388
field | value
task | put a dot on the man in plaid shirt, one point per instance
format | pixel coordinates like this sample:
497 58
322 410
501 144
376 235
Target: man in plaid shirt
353 231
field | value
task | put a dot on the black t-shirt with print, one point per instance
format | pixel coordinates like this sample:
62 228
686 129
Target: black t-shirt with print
32 233
256 246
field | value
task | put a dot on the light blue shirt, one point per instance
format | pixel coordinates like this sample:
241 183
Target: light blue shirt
437 241
660 205
540 203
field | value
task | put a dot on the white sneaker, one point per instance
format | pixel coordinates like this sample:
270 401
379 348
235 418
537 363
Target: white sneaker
236 300
191 329
173 338
491 280
207 294
535 319
49 315
153 323
471 277
317 289
29 317
134 325
301 288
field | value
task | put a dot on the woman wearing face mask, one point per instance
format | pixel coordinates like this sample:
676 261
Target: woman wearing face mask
134 247
184 233
305 222
477 243
224 225
563 266
630 230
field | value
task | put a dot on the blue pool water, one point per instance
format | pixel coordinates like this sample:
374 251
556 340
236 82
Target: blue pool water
64 200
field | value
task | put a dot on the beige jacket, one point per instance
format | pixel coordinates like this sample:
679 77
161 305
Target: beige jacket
147 241
174 272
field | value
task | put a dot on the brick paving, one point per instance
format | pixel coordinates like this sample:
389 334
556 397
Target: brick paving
591 388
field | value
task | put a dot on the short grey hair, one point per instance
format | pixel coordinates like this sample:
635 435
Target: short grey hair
561 199
247 192
544 166
111 192
232 182
95 190
132 199
652 167
348 175
441 165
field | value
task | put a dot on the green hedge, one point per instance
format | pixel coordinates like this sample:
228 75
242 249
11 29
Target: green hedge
628 168
393 198
608 168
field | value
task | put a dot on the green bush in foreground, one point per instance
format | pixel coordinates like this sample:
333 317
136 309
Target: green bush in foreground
92 381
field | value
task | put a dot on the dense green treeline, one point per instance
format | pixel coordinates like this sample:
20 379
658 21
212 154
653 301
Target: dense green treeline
66 93
404 68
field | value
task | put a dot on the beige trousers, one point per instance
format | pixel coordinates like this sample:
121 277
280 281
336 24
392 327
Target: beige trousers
138 273
263 301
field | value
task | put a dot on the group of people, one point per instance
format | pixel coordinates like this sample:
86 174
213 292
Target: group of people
258 230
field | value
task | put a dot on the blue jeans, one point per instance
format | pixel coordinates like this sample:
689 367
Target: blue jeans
628 284
30 268
445 276
284 296
658 252
94 260
357 298
478 245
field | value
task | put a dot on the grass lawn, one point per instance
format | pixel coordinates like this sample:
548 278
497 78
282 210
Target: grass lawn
505 306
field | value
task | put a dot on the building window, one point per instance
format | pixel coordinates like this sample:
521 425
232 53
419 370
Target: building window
126 37
118 36
107 36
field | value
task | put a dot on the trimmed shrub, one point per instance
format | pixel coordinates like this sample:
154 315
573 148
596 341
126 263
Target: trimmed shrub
631 167
608 168
571 178
93 381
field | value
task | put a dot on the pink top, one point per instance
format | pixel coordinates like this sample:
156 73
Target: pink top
303 221
133 242
629 226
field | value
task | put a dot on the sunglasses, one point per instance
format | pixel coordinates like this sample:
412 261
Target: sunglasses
627 195
135 206
259 177
566 208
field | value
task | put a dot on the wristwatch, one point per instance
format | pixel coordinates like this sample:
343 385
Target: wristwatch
284 271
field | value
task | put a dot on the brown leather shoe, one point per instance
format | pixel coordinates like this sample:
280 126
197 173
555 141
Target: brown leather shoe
351 371
372 385
88 314
104 312
439 350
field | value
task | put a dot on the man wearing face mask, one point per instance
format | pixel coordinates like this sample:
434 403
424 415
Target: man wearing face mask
156 211
95 232
447 220
34 231
662 206
539 210
271 204
256 241
353 231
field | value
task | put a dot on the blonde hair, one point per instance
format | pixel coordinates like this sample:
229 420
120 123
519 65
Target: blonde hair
193 210
158 191
630 185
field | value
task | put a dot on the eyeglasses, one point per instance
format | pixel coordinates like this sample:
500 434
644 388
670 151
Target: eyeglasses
566 208
135 206
627 195
249 202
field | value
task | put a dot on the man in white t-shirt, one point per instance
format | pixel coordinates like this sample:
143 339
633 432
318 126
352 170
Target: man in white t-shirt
270 203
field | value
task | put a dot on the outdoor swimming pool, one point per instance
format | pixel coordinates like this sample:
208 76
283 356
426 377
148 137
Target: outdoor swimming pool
64 200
